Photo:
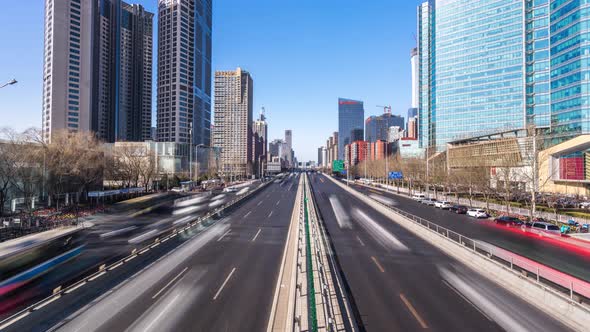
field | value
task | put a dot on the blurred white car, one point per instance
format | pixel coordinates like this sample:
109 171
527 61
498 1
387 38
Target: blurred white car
477 213
442 205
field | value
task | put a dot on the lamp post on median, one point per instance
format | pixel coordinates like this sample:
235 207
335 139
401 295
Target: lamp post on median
11 82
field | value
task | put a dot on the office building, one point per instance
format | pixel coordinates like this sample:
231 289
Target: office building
351 115
97 69
68 66
359 152
412 130
233 122
275 148
289 150
395 133
377 127
184 71
261 129
124 111
415 81
525 69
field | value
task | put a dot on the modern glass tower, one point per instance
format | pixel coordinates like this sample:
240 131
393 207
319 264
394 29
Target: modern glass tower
487 66
184 71
351 115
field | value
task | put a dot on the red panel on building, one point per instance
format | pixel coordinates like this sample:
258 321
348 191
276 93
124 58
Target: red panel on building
571 168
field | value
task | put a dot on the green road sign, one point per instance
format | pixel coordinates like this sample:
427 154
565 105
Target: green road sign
337 166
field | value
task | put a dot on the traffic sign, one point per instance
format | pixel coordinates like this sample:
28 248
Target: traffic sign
337 166
396 175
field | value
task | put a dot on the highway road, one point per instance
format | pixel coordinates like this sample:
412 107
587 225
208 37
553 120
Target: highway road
113 236
401 283
565 259
221 279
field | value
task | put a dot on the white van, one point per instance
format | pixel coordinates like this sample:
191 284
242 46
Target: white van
418 197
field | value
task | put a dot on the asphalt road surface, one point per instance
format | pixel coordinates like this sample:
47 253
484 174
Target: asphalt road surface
561 258
221 279
401 283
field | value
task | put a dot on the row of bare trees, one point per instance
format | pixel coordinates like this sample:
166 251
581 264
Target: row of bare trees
73 162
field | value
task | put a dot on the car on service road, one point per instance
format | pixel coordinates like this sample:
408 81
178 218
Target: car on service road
545 228
429 201
508 221
442 205
477 213
459 209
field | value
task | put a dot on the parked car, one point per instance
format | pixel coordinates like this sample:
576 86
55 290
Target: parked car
477 213
508 221
442 205
459 209
545 228
429 201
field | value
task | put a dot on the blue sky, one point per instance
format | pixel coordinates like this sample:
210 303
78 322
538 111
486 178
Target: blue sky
302 55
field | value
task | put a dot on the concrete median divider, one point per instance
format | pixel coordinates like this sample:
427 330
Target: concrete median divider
553 302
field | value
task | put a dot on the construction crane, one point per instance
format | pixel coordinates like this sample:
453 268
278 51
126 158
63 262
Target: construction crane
386 109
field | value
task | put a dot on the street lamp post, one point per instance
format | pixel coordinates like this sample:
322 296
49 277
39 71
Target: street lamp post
11 82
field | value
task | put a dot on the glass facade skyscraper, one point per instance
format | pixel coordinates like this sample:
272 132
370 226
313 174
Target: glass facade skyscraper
351 114
487 66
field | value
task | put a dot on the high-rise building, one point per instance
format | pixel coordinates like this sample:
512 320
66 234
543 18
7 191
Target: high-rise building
377 127
233 122
351 115
289 150
274 148
415 81
184 71
97 69
261 129
412 131
320 156
124 77
68 66
524 69
359 152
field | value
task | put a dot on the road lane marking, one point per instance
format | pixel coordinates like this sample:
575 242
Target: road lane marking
166 308
361 241
47 302
224 234
247 214
413 311
259 203
257 233
130 258
278 202
14 320
97 276
170 282
377 263
74 288
144 251
270 214
115 266
224 283
374 191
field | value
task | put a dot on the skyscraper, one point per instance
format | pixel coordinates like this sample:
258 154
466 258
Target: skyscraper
526 68
415 74
289 152
351 115
68 95
124 77
184 70
233 121
377 127
97 71
261 129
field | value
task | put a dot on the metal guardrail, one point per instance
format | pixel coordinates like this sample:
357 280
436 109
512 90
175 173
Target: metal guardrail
575 290
104 268
312 312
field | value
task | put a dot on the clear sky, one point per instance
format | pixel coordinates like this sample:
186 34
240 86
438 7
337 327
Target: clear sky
302 55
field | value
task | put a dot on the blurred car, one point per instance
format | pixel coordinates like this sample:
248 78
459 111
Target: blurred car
477 213
442 205
459 209
545 227
508 221
418 197
429 201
